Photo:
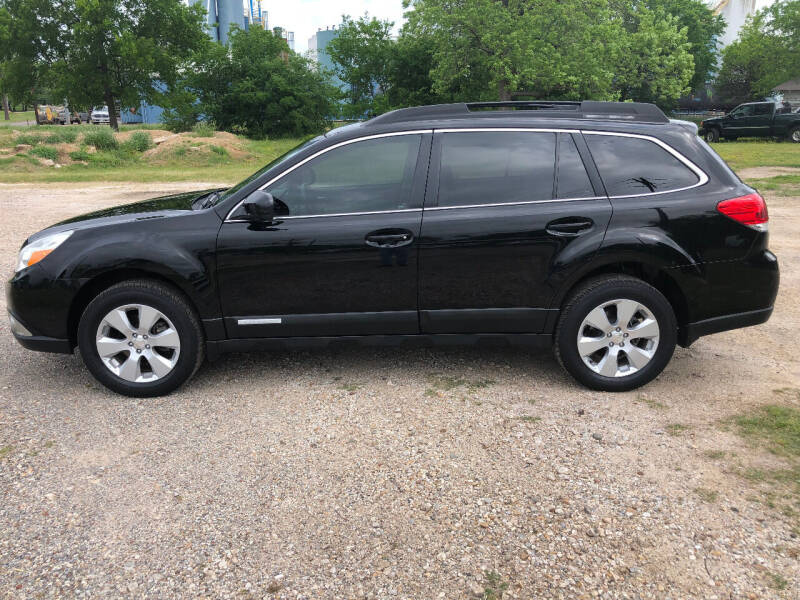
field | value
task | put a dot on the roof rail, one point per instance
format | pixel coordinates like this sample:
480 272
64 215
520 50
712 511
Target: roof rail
588 109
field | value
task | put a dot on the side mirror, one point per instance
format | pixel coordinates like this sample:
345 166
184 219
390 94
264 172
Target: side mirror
260 207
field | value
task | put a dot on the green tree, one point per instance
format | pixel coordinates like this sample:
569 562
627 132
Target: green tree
117 51
657 65
361 55
766 53
554 49
703 28
257 87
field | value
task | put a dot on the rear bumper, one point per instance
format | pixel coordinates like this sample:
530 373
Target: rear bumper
693 331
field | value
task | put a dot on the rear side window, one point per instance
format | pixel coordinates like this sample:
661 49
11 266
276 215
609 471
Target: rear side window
573 181
763 109
495 167
630 166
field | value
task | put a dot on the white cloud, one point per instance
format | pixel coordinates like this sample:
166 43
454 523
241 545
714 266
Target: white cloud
304 17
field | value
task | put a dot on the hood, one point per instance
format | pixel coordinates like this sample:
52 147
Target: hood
155 208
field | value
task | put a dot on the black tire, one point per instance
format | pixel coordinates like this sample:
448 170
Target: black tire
593 294
794 135
165 300
712 135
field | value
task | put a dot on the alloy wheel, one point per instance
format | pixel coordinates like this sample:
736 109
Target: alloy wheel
138 343
618 338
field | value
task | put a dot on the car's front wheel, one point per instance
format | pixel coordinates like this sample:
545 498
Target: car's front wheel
140 338
615 333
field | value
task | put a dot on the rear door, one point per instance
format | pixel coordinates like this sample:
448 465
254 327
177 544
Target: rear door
505 210
760 122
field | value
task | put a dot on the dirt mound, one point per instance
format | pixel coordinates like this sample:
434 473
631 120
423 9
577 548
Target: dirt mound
154 133
184 143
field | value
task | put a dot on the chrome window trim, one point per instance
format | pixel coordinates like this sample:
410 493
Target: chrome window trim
514 203
315 155
701 175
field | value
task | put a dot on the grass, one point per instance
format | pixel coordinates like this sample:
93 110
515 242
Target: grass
18 117
204 129
45 152
777 427
493 586
102 139
676 429
5 451
140 141
707 495
746 153
777 581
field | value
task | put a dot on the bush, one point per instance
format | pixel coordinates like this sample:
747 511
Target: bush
140 141
45 152
102 139
31 139
65 135
218 150
204 129
80 155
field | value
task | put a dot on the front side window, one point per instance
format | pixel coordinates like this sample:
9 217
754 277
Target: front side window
630 166
366 176
742 111
493 167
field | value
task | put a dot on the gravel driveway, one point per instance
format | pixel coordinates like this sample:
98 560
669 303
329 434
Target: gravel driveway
363 473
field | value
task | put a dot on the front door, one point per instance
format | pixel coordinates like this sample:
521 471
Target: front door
341 256
508 209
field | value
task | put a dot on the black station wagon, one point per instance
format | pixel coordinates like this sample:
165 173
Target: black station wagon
603 229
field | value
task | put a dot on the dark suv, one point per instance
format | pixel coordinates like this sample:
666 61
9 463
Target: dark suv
603 229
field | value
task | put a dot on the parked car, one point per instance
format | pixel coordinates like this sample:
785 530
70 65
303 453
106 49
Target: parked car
602 229
67 117
100 116
753 119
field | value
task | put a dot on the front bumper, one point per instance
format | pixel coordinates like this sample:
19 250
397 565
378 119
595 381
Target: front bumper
40 306
39 343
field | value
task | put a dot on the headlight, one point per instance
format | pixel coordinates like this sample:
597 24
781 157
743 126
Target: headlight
36 251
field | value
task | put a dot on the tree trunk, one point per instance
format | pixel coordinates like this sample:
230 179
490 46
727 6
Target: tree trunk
5 107
503 92
112 109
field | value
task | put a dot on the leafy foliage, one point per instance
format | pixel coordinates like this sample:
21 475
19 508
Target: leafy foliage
555 49
765 55
101 138
257 87
361 55
140 141
89 51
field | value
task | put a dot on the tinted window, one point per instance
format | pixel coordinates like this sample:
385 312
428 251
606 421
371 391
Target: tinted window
494 166
762 109
573 181
367 176
636 166
743 111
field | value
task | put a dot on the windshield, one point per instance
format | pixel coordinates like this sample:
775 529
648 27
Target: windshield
284 157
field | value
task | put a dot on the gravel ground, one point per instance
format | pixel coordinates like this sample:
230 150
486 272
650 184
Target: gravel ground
443 473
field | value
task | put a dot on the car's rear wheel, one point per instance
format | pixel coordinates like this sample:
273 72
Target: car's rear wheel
794 135
140 338
712 135
615 333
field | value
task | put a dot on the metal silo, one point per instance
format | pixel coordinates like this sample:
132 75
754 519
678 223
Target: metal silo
230 12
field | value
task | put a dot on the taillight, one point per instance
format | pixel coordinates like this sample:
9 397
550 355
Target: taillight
750 210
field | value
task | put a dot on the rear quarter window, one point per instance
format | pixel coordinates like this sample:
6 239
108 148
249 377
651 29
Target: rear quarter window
631 166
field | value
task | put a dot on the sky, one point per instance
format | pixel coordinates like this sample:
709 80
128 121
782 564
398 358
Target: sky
304 17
